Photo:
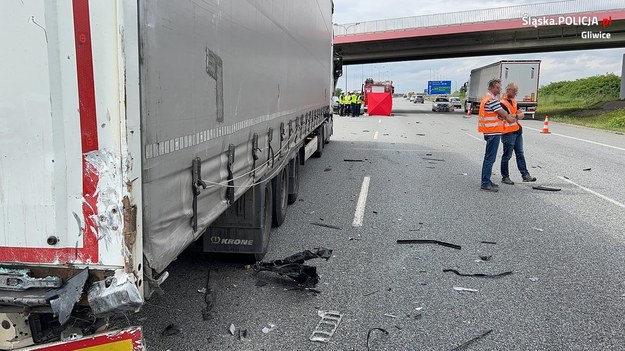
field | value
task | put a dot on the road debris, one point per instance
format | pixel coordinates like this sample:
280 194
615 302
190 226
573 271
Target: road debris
478 275
586 169
390 315
459 288
428 154
533 279
232 329
433 159
170 330
538 229
369 335
202 291
375 212
294 267
326 225
209 298
271 327
431 167
424 241
486 258
545 188
489 242
418 308
352 239
302 288
470 342
326 327
370 293
328 169
420 134
352 160
242 334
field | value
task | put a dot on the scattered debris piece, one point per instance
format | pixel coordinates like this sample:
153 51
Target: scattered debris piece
468 343
301 288
271 327
420 134
418 308
369 335
538 229
433 159
390 315
478 275
536 167
327 225
459 288
365 131
418 316
328 169
209 299
431 167
260 283
352 160
545 188
376 212
294 267
533 279
486 258
232 329
489 242
586 169
63 299
351 239
170 330
242 334
202 291
370 293
463 174
326 327
428 154
425 241
565 177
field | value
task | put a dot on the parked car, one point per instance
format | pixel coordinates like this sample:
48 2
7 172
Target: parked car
455 102
442 104
335 104
412 98
419 99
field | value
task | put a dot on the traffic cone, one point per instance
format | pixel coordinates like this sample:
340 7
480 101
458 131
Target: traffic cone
546 126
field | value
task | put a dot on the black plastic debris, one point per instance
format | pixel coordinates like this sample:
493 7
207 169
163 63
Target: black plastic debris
433 159
485 258
326 225
301 288
170 330
369 335
478 275
489 242
294 267
352 160
420 134
472 341
425 241
586 169
370 293
545 188
328 169
242 334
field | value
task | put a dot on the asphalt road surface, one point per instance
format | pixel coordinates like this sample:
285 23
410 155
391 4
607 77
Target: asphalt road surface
565 249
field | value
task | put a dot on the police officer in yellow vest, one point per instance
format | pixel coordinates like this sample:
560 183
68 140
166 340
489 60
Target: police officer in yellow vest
341 103
490 123
347 104
354 104
512 138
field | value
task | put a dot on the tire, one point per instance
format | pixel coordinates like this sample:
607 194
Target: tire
280 194
267 220
294 180
320 142
328 131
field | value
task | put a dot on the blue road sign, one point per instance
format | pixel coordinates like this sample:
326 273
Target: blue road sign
439 87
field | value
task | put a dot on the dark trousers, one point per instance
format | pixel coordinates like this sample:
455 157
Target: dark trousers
355 109
513 142
341 109
492 145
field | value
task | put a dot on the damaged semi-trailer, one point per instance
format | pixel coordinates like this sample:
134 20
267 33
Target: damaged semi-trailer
131 129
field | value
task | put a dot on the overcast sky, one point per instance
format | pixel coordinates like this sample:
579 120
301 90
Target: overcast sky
413 75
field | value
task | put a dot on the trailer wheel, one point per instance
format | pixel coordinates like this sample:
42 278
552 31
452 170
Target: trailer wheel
320 142
280 194
267 219
293 180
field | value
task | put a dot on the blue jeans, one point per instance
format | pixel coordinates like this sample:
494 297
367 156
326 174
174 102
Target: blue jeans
513 142
492 145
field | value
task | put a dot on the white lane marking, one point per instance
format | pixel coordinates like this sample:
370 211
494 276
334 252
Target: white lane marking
594 193
474 137
362 202
375 135
579 139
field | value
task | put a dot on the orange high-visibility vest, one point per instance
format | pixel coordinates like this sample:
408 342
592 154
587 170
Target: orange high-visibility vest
488 122
513 108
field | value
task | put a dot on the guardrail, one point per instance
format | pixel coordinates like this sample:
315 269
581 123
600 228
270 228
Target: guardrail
568 7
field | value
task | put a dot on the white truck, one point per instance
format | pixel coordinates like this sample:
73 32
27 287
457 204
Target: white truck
525 73
131 129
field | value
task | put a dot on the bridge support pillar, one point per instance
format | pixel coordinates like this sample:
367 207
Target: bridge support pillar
622 95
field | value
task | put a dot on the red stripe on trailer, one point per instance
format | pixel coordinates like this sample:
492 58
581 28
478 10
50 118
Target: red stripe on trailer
89 142
133 335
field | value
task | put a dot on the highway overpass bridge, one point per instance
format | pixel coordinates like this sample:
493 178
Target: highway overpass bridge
543 27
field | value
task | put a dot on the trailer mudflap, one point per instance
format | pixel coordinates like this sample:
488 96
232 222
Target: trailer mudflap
130 339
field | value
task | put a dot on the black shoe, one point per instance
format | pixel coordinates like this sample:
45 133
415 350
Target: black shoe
528 178
490 188
506 180
494 185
